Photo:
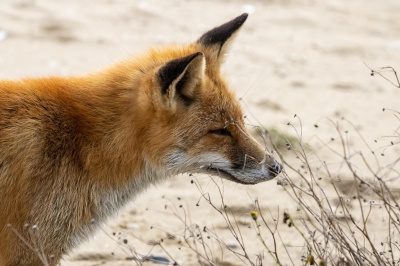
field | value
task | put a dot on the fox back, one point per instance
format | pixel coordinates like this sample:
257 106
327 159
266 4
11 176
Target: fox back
73 150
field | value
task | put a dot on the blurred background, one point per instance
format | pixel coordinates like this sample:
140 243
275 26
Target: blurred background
291 57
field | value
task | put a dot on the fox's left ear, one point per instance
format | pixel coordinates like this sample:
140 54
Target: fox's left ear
178 80
215 43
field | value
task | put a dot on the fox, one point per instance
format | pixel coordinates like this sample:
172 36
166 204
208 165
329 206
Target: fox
74 150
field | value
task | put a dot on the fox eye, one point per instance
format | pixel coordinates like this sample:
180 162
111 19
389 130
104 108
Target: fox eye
221 132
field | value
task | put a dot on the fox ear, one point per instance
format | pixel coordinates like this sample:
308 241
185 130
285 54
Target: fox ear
215 43
179 78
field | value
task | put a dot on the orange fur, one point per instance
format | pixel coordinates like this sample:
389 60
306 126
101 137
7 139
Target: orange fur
73 150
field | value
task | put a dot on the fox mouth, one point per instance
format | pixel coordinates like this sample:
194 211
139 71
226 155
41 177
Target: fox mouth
225 174
231 177
213 164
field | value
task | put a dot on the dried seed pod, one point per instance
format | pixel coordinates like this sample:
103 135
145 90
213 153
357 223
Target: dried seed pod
311 260
285 217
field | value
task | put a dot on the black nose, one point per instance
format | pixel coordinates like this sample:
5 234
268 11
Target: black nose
275 168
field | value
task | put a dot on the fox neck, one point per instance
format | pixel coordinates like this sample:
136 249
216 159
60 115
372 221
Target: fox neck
117 163
116 155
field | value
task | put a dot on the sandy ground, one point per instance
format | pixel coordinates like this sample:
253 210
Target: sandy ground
291 57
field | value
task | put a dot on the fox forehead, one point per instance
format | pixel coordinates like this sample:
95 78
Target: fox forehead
219 100
215 96
154 57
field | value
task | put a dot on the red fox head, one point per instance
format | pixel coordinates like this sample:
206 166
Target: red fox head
194 120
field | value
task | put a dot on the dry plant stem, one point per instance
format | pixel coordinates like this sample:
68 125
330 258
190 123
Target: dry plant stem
192 235
275 230
263 242
215 236
195 249
272 232
338 231
305 205
242 98
169 255
366 144
41 256
341 200
379 70
364 230
284 246
376 173
37 246
390 242
310 249
225 215
133 253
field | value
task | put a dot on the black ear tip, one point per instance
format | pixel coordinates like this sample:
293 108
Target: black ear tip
197 54
191 57
243 16
239 20
221 34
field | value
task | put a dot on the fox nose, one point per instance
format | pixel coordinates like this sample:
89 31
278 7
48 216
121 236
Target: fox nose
275 168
